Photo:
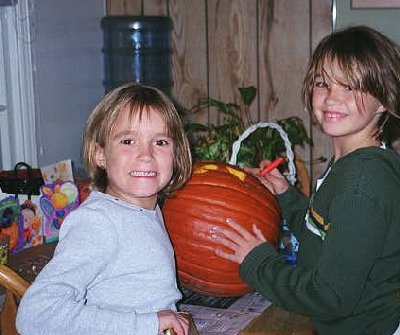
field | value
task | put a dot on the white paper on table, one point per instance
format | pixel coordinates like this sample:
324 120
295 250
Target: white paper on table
229 321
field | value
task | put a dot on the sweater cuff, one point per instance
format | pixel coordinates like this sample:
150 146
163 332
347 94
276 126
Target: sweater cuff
285 198
147 323
260 254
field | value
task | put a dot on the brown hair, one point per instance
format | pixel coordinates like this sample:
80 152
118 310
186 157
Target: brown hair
140 99
369 60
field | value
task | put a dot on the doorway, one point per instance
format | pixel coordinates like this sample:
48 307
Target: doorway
17 107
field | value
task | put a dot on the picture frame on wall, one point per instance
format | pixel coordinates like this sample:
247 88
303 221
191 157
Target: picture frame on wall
376 4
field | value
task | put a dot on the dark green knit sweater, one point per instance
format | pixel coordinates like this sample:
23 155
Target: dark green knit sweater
347 277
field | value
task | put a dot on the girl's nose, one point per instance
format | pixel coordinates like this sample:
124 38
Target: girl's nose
145 152
332 96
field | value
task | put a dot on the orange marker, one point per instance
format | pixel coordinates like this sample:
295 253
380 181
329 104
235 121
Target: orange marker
274 164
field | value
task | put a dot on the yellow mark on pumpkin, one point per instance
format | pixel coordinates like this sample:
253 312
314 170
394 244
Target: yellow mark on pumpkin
238 174
205 168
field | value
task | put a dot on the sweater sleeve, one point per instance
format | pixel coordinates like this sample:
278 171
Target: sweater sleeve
293 206
335 284
55 303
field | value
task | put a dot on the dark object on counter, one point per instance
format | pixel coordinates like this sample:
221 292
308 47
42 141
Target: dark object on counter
23 179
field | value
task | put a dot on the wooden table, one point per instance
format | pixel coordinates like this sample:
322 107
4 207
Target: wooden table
27 263
273 321
276 321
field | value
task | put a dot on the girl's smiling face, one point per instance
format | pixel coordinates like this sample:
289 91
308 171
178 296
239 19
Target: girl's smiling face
138 158
343 113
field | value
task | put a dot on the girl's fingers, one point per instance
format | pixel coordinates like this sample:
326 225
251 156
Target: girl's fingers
241 230
226 255
227 243
264 163
253 171
184 324
267 184
256 171
239 245
244 237
181 326
258 233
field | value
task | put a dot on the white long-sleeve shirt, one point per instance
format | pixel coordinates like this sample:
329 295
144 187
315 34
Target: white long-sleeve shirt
112 270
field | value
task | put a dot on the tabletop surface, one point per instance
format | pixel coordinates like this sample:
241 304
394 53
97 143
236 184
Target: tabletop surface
273 321
28 263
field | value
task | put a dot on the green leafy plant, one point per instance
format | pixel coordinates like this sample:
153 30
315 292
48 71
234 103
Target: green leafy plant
214 142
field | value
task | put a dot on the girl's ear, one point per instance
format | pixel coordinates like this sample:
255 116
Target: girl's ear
380 109
100 157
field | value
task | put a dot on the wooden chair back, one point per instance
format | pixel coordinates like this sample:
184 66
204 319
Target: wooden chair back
15 288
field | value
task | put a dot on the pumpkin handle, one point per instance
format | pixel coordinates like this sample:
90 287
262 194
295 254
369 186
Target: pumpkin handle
291 174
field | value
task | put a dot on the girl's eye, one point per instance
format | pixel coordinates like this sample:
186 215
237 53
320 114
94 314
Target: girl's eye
162 143
127 141
320 84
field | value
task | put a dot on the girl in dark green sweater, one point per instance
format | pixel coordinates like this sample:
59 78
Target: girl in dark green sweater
347 278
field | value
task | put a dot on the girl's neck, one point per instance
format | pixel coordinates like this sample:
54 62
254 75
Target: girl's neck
343 148
149 202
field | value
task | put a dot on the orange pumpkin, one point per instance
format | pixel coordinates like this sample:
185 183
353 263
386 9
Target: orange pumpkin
215 192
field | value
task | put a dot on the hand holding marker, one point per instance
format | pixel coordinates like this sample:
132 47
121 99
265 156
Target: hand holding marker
274 164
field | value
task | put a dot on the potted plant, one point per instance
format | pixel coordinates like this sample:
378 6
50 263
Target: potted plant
214 142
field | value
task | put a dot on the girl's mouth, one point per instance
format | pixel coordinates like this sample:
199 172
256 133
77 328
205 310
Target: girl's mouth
143 173
328 115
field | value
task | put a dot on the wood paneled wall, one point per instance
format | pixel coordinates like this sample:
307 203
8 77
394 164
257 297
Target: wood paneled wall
220 45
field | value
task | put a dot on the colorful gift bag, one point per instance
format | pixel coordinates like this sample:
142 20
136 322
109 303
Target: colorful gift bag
61 170
32 222
11 226
58 199
19 206
29 221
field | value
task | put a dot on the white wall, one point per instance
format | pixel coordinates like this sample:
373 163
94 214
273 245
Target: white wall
385 20
68 73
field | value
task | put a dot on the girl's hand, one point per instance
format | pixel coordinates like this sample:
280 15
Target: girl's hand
240 241
274 181
172 320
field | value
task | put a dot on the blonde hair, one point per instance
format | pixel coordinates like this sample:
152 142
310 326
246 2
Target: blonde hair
140 99
369 60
